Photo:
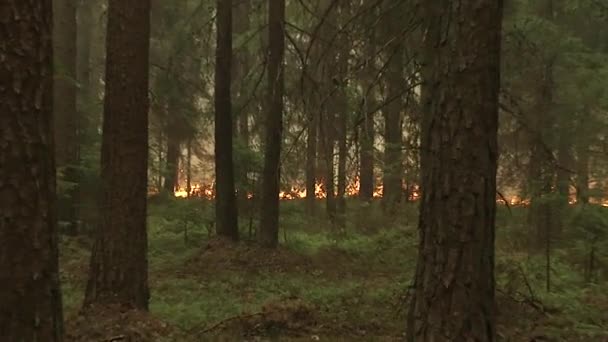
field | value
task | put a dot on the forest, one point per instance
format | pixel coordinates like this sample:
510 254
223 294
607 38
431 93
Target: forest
303 170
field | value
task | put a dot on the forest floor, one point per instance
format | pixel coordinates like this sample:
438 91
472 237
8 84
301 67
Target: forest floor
319 285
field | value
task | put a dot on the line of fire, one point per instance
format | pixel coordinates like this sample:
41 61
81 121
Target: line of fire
411 193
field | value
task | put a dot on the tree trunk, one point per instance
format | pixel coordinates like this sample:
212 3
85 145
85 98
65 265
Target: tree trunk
160 160
454 283
30 296
119 264
64 106
582 175
241 68
328 141
172 162
226 224
311 161
342 156
189 167
343 114
269 221
367 134
85 104
392 187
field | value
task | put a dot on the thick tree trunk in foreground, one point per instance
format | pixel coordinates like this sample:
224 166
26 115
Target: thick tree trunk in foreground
119 264
454 284
225 197
269 221
30 297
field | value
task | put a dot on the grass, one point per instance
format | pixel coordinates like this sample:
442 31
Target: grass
356 280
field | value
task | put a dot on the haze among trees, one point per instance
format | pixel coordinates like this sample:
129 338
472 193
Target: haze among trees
321 170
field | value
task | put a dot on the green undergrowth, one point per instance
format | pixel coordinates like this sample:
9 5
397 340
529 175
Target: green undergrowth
355 279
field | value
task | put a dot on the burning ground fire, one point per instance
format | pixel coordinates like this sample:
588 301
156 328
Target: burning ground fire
352 190
294 193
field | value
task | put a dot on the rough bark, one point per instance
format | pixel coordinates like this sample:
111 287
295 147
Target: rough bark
119 265
30 296
64 105
268 235
225 198
454 283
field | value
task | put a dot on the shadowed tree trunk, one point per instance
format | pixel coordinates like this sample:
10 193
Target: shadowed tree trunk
172 157
89 69
367 133
242 72
342 156
582 175
64 106
225 198
454 282
268 235
189 167
119 264
311 160
328 142
393 168
342 109
30 297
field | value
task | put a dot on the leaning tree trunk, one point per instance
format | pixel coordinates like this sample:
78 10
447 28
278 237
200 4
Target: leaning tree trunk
119 264
225 199
30 297
454 283
268 235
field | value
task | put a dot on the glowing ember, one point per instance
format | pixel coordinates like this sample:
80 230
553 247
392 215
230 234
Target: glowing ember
181 193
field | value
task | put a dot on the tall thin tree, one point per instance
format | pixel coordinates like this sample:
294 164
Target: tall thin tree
269 221
225 198
454 283
119 264
30 297
392 187
64 105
